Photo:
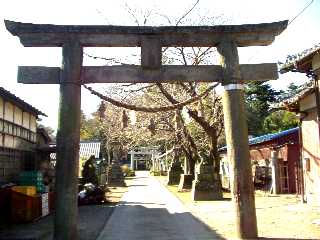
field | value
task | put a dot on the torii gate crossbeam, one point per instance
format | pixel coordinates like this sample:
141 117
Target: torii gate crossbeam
72 74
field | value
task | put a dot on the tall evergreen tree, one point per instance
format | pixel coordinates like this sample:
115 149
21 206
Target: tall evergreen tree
280 121
293 89
259 97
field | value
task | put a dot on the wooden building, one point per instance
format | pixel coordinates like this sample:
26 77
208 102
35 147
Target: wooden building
274 160
307 104
18 136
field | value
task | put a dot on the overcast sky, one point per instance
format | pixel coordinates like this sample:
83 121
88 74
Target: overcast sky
302 33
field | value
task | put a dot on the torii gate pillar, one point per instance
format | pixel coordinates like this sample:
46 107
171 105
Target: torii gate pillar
68 138
236 129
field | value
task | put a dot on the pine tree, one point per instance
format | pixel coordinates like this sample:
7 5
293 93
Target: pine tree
280 121
259 97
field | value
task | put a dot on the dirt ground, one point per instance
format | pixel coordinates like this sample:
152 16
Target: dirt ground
91 220
278 217
115 193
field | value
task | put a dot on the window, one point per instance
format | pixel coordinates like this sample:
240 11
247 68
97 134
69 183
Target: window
10 128
6 127
18 131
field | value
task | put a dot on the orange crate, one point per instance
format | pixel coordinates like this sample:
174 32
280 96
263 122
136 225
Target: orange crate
27 190
24 208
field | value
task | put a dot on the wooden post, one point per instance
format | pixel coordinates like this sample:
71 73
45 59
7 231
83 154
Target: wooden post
132 160
275 171
237 142
68 137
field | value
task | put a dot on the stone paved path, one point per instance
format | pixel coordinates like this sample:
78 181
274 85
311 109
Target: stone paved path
149 211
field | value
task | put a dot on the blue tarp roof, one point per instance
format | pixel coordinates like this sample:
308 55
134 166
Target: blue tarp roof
268 137
272 136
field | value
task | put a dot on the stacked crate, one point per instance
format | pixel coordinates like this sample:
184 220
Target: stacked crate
24 208
32 178
27 190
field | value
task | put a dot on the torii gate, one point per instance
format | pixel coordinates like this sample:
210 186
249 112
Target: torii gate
72 74
133 162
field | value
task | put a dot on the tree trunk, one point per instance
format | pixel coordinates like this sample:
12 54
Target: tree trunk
213 154
190 158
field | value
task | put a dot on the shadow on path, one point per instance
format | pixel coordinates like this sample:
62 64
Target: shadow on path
149 211
266 238
137 185
91 220
136 222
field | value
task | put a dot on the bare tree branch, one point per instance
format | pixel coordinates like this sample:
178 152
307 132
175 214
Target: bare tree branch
139 89
187 13
130 11
113 60
164 16
150 109
166 94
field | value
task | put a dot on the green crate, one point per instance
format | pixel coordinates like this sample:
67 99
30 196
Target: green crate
32 178
31 174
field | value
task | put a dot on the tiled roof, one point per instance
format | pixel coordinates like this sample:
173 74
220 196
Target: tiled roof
291 103
300 62
87 148
305 89
268 137
19 102
44 133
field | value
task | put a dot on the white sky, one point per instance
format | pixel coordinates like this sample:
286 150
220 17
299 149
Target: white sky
303 33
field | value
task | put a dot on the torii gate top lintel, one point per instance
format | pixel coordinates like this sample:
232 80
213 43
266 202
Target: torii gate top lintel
151 40
33 35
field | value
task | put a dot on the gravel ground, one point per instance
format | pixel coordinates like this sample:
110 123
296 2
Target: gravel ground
278 217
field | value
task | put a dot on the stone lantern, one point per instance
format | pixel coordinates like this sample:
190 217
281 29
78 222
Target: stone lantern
114 173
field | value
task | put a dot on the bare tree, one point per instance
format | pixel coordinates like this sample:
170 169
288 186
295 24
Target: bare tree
164 101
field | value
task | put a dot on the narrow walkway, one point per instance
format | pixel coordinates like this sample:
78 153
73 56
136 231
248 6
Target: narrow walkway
149 211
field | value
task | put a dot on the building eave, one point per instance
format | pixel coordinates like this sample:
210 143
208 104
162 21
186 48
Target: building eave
301 62
8 96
